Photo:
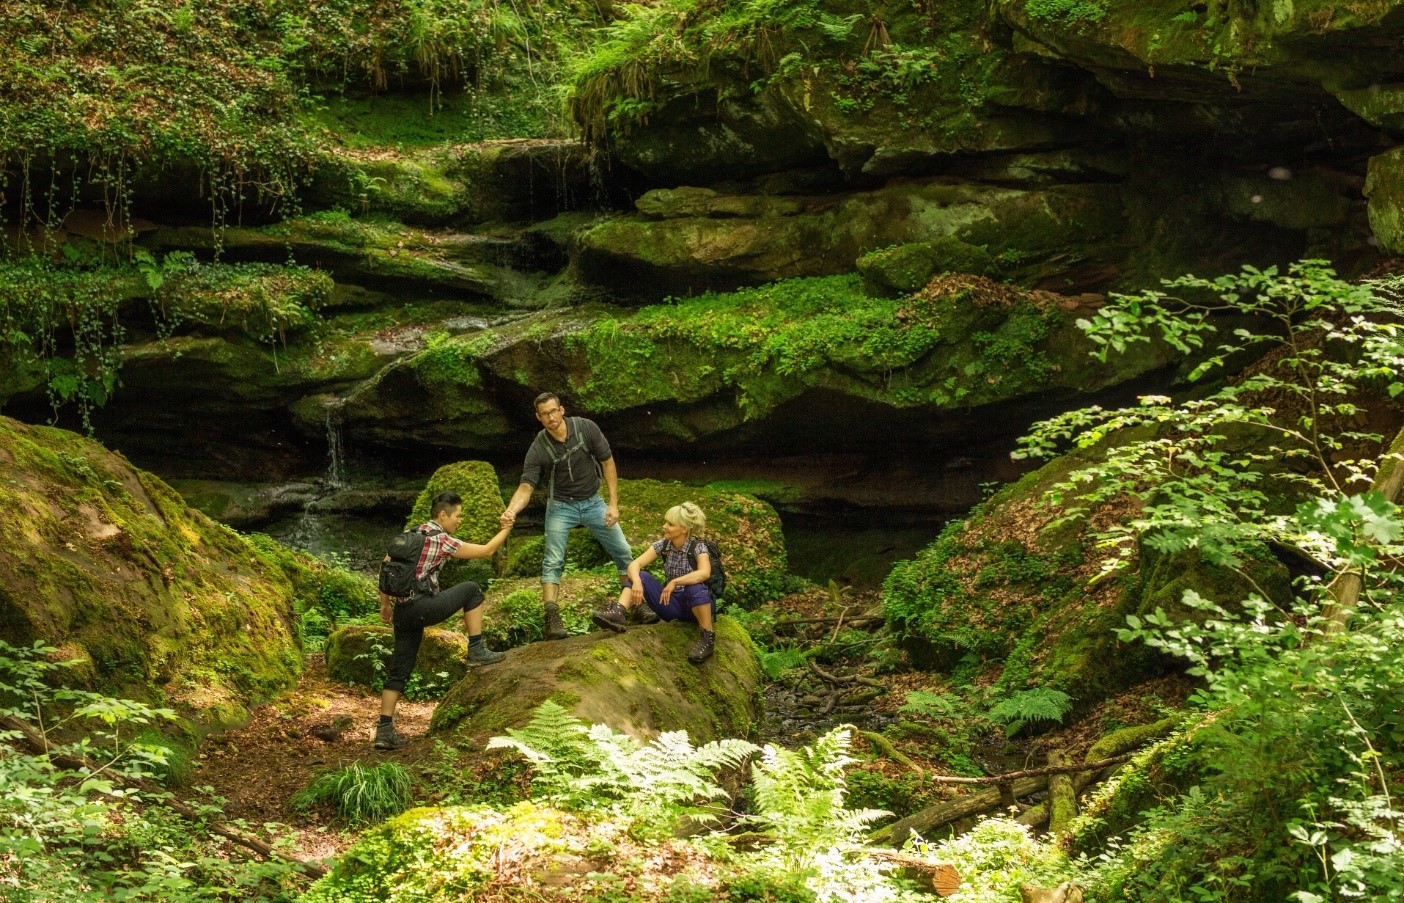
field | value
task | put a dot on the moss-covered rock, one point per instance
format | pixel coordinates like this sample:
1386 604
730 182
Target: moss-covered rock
640 683
110 564
686 244
476 483
1009 595
360 654
1384 186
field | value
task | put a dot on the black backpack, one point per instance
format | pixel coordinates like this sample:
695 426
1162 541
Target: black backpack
397 572
716 584
573 425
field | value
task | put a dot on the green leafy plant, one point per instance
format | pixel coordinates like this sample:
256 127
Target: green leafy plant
359 794
1021 708
594 767
75 824
1287 789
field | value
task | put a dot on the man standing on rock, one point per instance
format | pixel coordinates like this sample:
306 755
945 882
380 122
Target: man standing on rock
573 456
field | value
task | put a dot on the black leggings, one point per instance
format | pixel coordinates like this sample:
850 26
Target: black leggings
417 614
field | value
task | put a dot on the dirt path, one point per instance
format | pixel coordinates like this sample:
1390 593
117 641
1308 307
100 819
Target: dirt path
319 725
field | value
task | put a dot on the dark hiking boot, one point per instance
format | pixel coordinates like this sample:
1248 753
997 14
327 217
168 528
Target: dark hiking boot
612 617
555 627
642 614
386 737
482 655
702 649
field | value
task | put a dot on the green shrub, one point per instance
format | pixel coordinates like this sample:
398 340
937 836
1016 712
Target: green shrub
360 795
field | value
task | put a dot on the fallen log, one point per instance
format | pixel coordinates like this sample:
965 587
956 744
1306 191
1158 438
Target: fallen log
1033 772
944 878
884 746
944 813
40 746
1062 795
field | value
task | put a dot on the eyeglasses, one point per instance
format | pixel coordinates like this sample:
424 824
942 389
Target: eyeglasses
553 412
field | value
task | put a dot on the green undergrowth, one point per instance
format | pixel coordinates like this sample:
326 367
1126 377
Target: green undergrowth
359 794
917 59
115 98
62 327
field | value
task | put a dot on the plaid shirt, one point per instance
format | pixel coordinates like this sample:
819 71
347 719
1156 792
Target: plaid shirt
438 548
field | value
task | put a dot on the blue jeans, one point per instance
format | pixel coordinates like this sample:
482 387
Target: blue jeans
562 516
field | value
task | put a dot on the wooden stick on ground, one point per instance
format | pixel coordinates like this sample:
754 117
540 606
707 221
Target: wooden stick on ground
36 741
1032 772
946 812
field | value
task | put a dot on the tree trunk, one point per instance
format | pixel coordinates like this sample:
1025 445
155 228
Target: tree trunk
1345 589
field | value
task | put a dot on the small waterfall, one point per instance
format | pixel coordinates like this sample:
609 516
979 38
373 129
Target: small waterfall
336 447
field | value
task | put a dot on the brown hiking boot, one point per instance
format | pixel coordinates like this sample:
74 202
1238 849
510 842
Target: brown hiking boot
611 617
386 737
703 648
642 614
555 627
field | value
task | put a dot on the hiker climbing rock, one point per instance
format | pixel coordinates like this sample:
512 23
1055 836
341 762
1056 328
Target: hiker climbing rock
428 606
574 457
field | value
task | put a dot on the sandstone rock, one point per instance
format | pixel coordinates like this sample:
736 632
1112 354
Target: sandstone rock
640 683
154 599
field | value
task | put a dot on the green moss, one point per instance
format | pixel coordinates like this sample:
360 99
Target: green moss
476 483
1066 13
69 320
111 565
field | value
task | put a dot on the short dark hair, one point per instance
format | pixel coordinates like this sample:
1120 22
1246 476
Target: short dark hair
543 398
444 501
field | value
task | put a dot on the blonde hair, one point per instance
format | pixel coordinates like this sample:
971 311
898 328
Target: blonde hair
687 515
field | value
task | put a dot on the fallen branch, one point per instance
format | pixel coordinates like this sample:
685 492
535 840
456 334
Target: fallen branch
1034 772
883 745
825 675
944 813
40 745
790 622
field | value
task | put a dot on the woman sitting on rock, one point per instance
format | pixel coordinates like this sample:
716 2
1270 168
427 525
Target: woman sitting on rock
685 596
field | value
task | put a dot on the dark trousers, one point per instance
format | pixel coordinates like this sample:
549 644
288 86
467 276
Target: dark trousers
417 614
680 604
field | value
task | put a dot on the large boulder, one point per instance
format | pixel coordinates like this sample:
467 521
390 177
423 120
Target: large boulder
1384 186
144 594
640 683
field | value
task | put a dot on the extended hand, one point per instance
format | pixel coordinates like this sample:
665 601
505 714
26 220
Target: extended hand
507 518
667 591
